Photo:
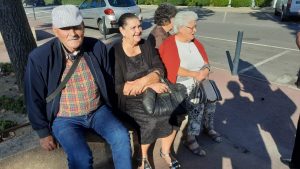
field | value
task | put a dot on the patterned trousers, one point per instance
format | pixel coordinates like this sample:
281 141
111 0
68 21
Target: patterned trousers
198 115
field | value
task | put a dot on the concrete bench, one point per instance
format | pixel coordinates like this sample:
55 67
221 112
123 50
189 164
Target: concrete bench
37 158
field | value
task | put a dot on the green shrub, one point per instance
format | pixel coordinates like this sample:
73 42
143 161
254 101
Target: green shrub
177 2
141 2
219 2
6 68
263 3
13 104
74 2
5 124
197 2
241 3
146 2
48 2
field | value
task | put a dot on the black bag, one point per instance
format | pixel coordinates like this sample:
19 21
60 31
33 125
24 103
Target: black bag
164 104
205 91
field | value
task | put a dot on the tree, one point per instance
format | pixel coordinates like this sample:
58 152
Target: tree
17 36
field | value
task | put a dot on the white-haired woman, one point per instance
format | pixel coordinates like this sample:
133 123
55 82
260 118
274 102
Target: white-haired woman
186 62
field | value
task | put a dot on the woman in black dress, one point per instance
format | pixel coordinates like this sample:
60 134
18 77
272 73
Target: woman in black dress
138 67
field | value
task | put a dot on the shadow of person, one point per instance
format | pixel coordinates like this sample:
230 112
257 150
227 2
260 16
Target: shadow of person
232 122
257 118
273 110
238 124
255 121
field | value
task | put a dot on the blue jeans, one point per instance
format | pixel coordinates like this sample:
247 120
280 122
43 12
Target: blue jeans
70 133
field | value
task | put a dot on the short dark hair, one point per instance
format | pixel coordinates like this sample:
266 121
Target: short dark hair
164 13
123 19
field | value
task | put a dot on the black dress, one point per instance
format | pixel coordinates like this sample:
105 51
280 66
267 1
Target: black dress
130 68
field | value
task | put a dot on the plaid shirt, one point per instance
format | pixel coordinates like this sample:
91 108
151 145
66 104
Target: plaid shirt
81 94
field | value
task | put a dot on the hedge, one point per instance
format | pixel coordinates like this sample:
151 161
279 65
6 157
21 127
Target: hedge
241 3
198 3
263 3
219 2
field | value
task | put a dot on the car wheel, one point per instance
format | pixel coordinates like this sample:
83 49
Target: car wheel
276 13
102 27
283 15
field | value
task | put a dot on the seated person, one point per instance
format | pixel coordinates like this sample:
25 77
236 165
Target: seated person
138 67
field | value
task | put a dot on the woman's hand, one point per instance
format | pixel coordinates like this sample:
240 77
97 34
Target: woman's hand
138 86
158 87
201 74
198 75
134 88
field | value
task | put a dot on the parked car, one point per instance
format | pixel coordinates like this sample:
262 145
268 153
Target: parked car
287 8
105 13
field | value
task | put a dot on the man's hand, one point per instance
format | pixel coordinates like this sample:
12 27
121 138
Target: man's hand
48 143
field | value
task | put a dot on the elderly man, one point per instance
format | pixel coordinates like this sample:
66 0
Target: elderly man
68 92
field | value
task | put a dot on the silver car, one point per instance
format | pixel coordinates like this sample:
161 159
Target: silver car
105 13
287 8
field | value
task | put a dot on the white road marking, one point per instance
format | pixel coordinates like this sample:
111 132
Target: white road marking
249 43
224 18
264 61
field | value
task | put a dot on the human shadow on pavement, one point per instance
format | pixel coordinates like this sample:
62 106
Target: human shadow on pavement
254 119
256 115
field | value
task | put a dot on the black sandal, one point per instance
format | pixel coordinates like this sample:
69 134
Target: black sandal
146 163
197 150
174 163
214 135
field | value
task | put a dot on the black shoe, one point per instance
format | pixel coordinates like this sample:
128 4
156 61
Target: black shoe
174 163
145 162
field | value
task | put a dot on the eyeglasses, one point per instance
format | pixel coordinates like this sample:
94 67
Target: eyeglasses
191 28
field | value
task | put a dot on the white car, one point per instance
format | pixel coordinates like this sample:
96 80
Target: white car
105 13
287 8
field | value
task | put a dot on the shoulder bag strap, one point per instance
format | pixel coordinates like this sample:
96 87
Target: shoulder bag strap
64 82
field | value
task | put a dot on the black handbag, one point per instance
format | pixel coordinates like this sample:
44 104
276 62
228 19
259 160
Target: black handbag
165 104
205 91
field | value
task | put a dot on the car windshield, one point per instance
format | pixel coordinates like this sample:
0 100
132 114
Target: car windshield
121 3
